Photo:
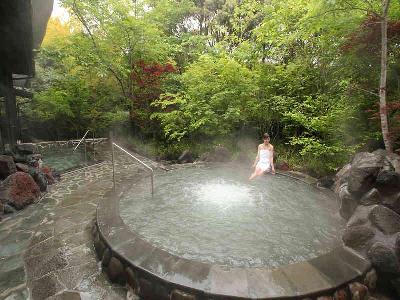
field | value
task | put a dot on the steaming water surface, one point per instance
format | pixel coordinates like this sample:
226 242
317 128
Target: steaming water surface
216 215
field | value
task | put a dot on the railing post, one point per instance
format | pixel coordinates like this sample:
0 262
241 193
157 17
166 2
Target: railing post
141 162
84 143
152 184
113 162
94 152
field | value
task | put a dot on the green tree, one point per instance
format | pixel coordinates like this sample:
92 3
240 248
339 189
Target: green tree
305 71
67 92
216 97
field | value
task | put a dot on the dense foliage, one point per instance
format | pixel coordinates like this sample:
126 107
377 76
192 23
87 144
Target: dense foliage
185 72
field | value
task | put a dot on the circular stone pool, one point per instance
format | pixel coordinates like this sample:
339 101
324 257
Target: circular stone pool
215 215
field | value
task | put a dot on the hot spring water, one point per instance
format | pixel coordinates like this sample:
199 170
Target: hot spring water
216 215
65 159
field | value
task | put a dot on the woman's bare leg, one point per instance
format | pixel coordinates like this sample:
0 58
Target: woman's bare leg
257 172
252 175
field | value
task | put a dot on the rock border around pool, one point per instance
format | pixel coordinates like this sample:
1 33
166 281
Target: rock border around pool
153 273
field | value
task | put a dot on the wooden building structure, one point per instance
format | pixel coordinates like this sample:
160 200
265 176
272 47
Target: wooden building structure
22 28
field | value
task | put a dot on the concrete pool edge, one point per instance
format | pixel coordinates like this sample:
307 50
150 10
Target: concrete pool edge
156 274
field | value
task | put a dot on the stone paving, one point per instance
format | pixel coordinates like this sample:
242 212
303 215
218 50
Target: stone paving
46 250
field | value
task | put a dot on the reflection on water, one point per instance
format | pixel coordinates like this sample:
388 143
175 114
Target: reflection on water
217 216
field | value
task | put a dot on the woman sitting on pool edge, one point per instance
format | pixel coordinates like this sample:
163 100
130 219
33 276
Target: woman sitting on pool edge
264 162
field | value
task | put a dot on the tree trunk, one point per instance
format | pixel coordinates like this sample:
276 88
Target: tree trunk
382 87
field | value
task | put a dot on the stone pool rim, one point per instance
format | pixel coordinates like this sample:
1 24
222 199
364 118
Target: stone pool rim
156 273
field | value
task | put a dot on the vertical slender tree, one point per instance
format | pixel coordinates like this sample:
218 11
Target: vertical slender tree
382 86
378 9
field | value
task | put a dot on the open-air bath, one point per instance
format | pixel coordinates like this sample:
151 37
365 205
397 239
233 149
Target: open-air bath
209 232
215 215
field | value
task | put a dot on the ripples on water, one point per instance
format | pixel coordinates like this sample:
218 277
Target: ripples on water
216 215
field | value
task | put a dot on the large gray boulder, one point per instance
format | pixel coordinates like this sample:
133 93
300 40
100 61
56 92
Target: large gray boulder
393 202
371 198
39 178
22 158
383 258
364 169
373 183
7 166
385 219
27 148
388 182
348 203
360 215
358 237
18 190
342 177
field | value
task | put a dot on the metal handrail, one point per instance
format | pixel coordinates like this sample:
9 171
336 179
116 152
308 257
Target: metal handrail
134 157
87 131
83 139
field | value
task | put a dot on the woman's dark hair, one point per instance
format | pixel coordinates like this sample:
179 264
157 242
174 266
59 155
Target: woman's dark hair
266 136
